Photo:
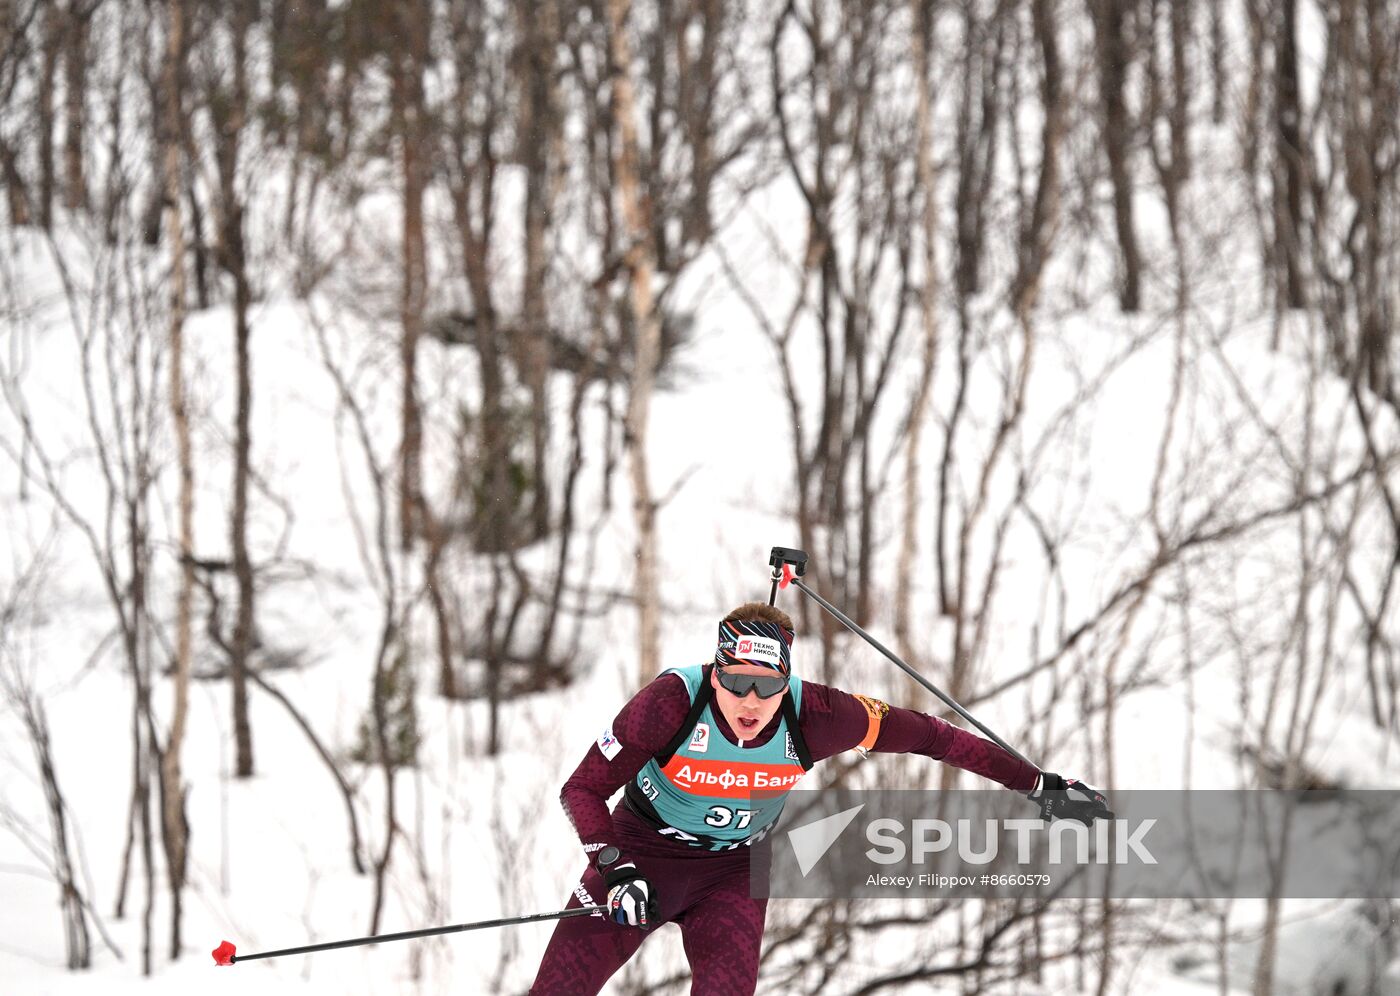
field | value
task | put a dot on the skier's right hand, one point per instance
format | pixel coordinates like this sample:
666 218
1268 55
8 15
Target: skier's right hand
631 898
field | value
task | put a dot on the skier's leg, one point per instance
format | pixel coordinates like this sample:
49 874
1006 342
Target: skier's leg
585 951
723 934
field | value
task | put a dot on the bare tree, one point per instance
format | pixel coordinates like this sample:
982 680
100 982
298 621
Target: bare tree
639 260
1276 149
980 109
411 21
382 734
1355 195
17 685
76 56
472 137
227 97
966 593
926 177
16 29
1291 153
51 36
1113 53
842 148
538 137
175 828
635 68
980 112
119 366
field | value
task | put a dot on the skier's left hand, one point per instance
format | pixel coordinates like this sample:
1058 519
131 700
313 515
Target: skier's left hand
1069 799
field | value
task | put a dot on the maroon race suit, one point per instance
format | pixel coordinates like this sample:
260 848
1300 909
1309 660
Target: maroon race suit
706 893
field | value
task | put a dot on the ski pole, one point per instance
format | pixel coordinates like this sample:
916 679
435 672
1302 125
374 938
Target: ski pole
783 561
226 953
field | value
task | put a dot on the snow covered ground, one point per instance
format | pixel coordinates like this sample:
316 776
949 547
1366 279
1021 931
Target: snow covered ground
270 864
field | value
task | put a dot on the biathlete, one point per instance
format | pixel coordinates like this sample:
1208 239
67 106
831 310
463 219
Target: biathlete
689 748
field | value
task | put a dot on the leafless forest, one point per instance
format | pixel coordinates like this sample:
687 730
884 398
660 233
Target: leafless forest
490 219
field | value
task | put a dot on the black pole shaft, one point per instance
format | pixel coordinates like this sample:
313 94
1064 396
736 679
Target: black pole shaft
850 624
431 931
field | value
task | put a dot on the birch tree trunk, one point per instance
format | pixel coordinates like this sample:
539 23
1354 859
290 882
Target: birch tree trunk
923 12
640 258
409 114
174 828
233 254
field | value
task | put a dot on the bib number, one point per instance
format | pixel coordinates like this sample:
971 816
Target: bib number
722 816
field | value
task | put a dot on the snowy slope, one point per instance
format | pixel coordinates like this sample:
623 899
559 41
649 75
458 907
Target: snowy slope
270 862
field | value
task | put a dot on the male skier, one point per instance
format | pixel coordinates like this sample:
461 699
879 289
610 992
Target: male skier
674 848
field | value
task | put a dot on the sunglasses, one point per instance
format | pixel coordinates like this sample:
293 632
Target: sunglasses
764 684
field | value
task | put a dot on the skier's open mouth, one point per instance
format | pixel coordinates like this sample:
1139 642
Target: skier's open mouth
747 724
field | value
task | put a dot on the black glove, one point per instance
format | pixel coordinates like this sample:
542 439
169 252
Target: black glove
631 898
1069 799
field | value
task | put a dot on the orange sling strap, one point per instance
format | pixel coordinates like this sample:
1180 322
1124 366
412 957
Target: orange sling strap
876 710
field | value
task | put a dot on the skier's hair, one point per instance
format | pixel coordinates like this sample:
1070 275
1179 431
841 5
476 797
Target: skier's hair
761 612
